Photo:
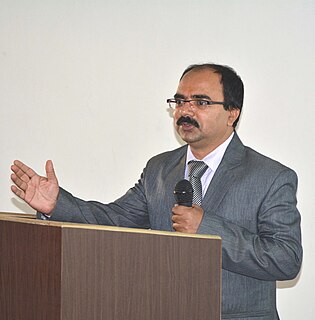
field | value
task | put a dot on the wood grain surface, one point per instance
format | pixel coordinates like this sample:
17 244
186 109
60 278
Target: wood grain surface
51 270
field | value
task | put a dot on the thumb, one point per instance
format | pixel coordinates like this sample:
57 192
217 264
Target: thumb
50 172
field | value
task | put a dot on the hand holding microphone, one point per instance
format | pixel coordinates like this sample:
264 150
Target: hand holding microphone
186 216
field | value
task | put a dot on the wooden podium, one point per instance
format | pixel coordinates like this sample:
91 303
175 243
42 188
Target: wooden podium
51 270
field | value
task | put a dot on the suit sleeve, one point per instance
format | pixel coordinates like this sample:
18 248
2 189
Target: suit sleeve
272 253
128 211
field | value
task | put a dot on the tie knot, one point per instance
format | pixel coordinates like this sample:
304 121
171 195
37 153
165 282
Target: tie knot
197 168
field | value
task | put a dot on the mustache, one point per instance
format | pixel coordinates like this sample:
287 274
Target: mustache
188 120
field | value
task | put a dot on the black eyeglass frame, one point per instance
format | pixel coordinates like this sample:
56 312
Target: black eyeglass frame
183 101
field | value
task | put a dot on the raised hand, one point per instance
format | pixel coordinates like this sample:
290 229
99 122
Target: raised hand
39 192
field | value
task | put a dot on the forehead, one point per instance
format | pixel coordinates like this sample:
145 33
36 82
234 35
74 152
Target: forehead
204 81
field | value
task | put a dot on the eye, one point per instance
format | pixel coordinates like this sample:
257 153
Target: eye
179 102
202 103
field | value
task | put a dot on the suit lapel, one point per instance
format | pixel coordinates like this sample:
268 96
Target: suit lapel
173 173
227 172
176 172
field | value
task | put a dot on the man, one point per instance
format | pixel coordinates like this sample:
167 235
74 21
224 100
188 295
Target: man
248 199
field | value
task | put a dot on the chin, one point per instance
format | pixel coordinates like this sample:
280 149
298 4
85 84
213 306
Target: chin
189 140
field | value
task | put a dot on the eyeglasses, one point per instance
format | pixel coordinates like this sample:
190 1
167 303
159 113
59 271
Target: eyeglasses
200 104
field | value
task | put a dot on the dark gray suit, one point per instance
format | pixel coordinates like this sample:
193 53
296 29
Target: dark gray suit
250 203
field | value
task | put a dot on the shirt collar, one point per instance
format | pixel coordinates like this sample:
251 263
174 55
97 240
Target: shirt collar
214 158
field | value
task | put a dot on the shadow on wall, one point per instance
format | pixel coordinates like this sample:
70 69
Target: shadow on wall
22 206
289 283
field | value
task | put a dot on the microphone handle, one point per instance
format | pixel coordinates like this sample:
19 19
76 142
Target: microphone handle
186 204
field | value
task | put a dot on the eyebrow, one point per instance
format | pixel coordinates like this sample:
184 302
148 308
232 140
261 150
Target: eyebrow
201 96
195 96
179 96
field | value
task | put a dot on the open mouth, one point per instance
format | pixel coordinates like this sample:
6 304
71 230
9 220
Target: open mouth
187 122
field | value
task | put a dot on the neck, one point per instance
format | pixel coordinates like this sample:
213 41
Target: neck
201 151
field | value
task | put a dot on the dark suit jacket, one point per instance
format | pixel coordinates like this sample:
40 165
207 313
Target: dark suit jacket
250 203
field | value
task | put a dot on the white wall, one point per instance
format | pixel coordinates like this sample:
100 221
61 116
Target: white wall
84 82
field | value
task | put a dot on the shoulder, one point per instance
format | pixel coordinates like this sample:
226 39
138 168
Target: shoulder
166 164
168 156
264 171
254 163
262 162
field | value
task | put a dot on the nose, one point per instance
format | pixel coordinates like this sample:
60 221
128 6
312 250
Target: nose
187 108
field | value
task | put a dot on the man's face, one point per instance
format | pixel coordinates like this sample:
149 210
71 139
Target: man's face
215 123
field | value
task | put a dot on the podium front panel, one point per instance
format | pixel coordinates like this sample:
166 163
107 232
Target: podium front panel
52 271
30 271
135 276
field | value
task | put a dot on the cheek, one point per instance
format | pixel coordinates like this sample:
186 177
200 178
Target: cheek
220 118
176 115
211 122
206 121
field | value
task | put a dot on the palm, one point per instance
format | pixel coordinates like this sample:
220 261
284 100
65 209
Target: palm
39 192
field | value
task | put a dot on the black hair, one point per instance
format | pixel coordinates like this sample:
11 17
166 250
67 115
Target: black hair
233 87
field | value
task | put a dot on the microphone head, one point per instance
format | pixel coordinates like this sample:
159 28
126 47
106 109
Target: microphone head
183 193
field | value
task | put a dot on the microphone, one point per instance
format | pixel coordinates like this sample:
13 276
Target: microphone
183 193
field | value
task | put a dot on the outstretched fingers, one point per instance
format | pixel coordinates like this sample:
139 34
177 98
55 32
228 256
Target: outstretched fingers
21 176
20 193
22 184
22 171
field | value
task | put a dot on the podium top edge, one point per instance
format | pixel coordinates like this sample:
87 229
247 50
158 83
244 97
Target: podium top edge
31 219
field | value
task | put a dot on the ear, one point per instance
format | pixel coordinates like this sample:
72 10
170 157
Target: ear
234 114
